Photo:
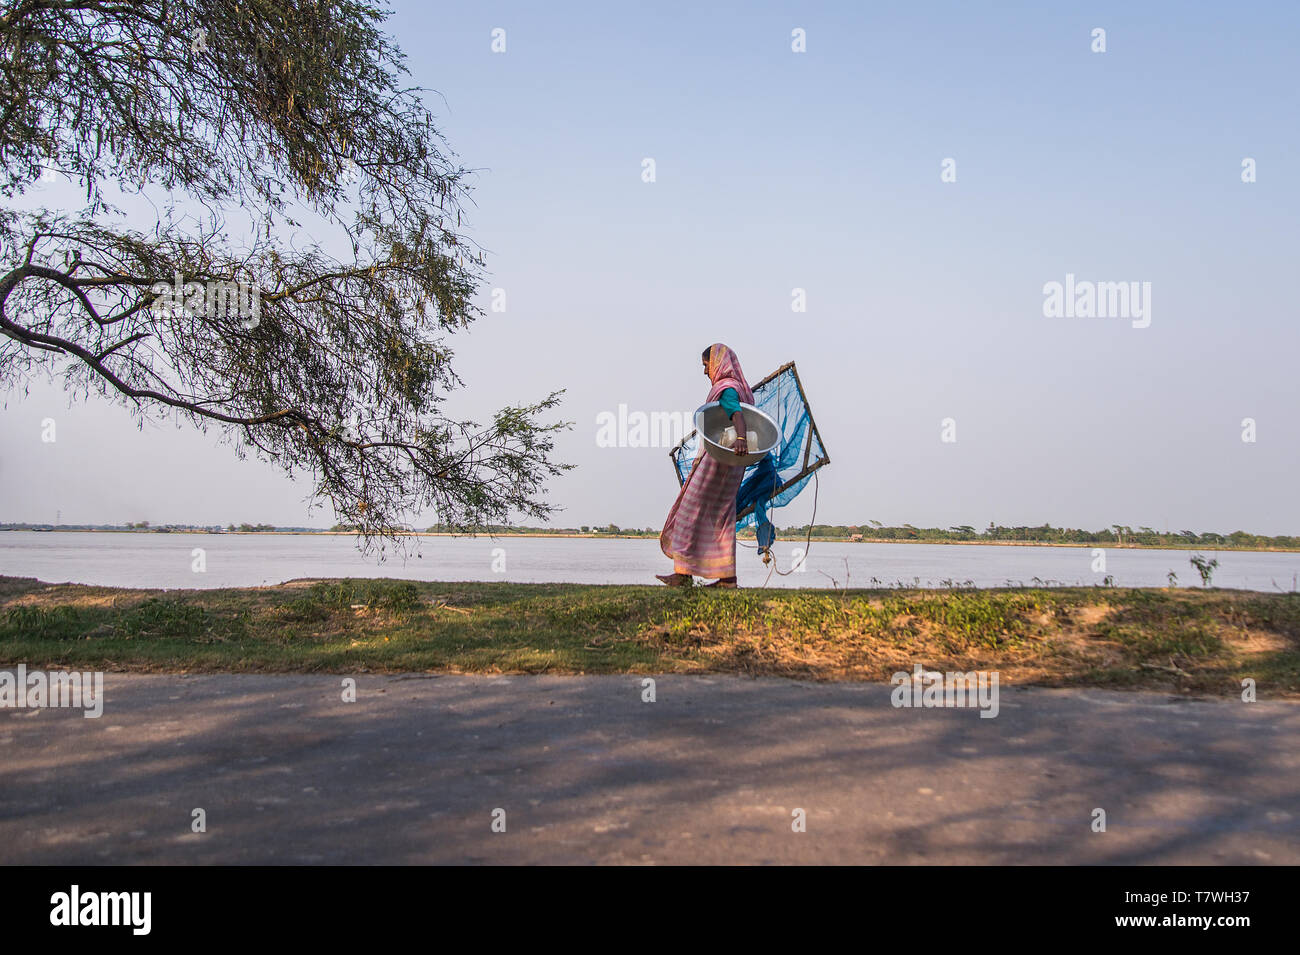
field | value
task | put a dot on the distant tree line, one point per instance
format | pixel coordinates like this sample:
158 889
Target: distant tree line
1115 534
612 530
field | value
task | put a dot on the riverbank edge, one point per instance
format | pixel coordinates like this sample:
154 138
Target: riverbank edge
1186 641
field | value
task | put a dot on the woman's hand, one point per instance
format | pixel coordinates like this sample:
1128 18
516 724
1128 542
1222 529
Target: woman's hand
742 445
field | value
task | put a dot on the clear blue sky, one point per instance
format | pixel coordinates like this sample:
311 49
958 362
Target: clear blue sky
821 170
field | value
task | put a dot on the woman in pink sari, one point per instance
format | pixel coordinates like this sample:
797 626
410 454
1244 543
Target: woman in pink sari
700 532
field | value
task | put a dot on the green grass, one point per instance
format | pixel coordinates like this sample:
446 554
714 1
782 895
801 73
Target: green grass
1204 641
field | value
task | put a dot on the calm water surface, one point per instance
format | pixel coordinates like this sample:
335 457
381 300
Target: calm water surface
245 560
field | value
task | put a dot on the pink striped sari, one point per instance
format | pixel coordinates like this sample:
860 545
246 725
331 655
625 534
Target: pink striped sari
700 532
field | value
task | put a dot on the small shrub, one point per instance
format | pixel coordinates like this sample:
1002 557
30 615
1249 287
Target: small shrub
326 598
163 617
1204 567
53 623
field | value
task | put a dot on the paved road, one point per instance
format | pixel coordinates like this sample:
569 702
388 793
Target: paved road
586 772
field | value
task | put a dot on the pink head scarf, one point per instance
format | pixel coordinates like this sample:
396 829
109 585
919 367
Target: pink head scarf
724 372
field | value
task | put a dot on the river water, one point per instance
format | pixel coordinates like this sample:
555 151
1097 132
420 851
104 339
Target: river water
243 560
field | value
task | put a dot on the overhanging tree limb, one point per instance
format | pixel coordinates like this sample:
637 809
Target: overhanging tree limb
337 368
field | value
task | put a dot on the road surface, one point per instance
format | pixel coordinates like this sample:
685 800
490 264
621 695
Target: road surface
582 770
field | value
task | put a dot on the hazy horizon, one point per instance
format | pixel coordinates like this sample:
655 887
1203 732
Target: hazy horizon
225 527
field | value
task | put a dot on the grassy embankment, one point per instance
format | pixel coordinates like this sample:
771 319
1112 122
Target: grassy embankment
1200 641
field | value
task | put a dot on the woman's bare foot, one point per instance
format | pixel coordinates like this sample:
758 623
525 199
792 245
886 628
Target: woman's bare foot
726 583
675 580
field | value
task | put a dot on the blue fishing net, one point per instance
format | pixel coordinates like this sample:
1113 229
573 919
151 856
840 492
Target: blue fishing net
780 476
